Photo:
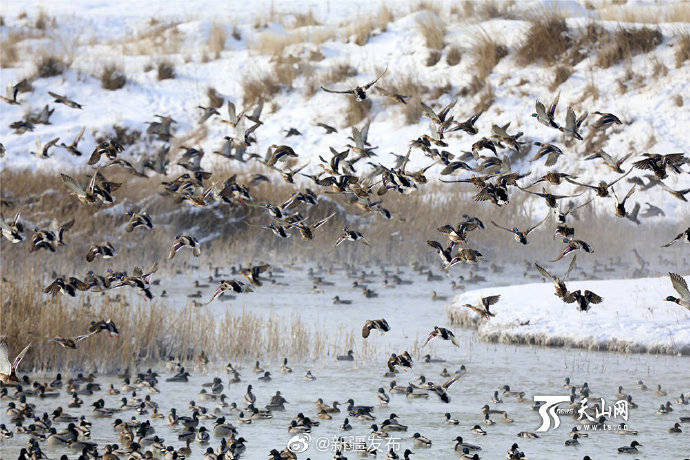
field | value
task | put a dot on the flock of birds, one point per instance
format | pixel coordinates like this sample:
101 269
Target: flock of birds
364 189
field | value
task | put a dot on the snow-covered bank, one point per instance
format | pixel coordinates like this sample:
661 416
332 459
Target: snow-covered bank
633 317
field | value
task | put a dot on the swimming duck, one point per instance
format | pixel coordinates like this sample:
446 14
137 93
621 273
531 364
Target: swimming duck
460 445
528 435
659 391
392 424
573 441
383 398
496 399
338 301
266 377
631 449
345 426
450 421
476 429
309 377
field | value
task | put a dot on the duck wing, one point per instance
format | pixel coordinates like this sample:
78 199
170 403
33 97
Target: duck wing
373 82
72 185
20 356
349 91
5 366
680 285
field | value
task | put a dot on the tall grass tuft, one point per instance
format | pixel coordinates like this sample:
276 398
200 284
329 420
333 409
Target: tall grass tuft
546 40
433 29
628 42
112 77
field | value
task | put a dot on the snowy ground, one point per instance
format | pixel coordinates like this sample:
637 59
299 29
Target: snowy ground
632 317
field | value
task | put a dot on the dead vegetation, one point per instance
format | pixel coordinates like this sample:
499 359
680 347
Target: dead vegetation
453 56
678 12
166 70
561 73
682 46
149 332
49 65
487 53
627 42
433 29
546 40
216 40
257 88
112 77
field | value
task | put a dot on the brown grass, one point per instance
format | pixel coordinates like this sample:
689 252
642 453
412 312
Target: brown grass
453 56
678 100
306 19
652 14
256 88
432 58
43 21
433 29
274 44
166 70
487 53
422 212
682 46
384 16
149 332
628 42
356 112
334 74
48 65
407 85
561 73
216 40
10 53
546 40
112 77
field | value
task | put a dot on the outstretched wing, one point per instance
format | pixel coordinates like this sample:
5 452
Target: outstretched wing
72 184
5 367
19 357
504 228
544 273
536 225
451 381
349 91
570 267
680 285
373 82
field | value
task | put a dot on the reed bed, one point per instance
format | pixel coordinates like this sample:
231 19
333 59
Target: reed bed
232 235
150 332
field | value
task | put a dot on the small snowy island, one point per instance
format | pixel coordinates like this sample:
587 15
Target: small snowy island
633 317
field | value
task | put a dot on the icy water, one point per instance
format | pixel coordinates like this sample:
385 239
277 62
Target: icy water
411 314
